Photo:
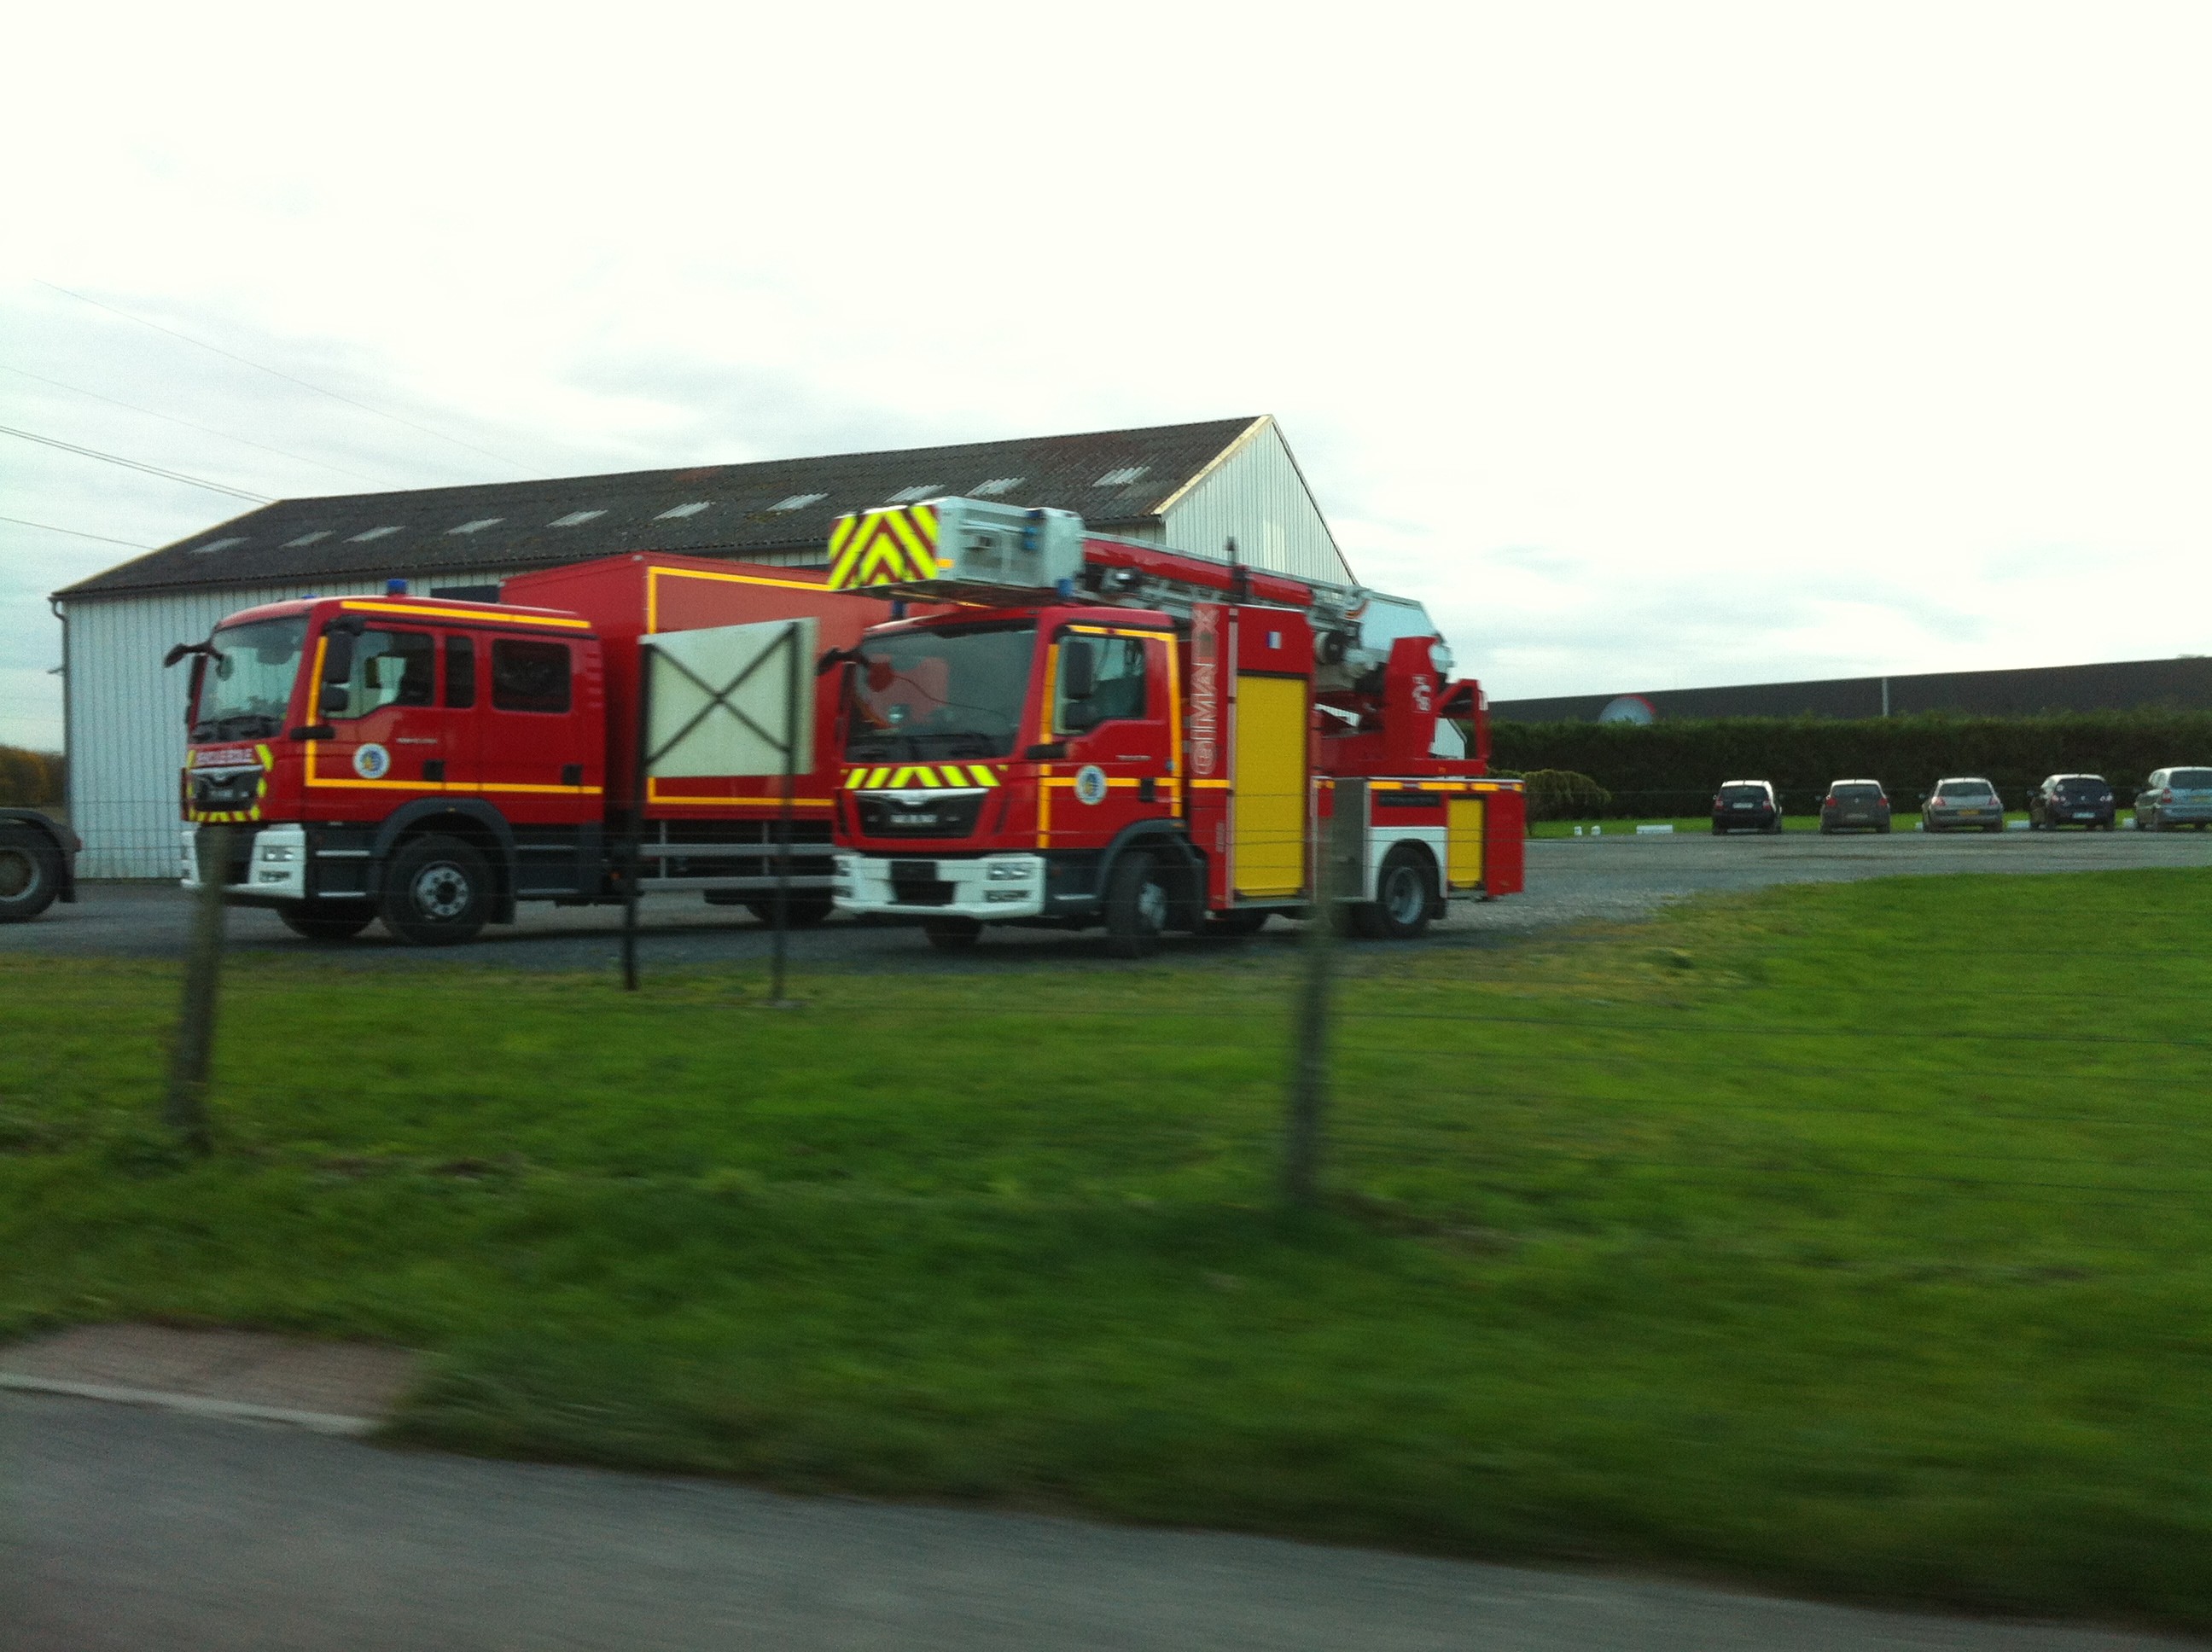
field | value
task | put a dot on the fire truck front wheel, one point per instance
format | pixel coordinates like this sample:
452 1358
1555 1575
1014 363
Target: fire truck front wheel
437 892
1136 900
1405 893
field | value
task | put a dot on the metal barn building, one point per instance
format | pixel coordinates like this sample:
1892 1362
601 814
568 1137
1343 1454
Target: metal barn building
1190 486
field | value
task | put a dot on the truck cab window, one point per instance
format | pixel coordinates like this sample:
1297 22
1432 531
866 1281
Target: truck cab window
529 676
390 668
1112 688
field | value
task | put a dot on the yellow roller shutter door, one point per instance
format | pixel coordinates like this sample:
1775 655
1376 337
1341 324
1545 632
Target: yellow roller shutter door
1270 796
1463 842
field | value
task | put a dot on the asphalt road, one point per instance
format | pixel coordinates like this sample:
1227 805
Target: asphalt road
122 1529
1616 878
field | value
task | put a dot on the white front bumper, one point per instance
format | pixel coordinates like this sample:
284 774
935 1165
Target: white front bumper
985 887
278 871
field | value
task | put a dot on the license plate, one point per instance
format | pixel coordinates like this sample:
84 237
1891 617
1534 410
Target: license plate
2084 814
1743 806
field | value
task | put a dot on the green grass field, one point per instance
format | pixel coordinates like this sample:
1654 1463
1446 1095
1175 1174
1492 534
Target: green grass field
1804 1239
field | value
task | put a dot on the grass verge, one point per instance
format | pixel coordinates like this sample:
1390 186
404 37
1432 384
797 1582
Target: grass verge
1805 1238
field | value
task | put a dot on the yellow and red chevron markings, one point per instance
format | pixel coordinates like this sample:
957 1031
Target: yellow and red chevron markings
901 777
888 545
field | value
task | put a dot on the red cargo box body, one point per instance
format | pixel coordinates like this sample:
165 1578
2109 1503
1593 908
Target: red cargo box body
628 596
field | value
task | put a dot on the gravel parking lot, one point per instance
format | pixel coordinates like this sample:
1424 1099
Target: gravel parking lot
1570 880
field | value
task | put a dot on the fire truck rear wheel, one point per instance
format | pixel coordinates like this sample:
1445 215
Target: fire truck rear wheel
30 873
1137 899
952 934
437 892
1405 893
802 911
326 921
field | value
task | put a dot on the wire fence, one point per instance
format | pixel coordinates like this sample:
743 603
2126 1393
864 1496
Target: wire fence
1974 1113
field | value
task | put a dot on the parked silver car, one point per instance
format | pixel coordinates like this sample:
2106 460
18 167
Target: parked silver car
2175 796
1964 802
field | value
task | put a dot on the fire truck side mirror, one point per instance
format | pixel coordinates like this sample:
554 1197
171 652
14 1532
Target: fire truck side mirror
338 668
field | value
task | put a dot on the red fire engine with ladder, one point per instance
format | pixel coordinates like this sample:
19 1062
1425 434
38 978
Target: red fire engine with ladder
1105 732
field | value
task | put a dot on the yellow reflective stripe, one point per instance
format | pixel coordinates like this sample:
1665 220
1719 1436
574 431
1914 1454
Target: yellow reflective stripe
854 779
983 775
878 777
476 614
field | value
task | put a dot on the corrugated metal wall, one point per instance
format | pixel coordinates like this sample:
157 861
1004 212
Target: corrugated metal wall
1257 496
125 714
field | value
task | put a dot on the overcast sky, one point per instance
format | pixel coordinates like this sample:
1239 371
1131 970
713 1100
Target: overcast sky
1653 346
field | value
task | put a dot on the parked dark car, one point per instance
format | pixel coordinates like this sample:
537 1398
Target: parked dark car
2175 796
2083 800
1967 801
1855 802
1748 806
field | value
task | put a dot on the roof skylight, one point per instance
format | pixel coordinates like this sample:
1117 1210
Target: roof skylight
574 519
797 501
907 495
691 509
477 527
1123 477
218 544
997 484
373 533
308 539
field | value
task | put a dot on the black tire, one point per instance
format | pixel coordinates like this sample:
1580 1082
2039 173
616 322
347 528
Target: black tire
1137 903
326 921
1246 922
437 892
30 873
1883 827
801 911
953 934
1996 826
1405 893
1719 830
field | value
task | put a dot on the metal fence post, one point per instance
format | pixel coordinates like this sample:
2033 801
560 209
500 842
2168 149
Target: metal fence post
1336 879
192 1054
794 685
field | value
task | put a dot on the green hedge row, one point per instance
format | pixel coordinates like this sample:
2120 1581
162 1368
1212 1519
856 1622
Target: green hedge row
1672 767
29 779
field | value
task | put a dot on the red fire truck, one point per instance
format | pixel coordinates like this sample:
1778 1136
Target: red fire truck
1105 732
432 761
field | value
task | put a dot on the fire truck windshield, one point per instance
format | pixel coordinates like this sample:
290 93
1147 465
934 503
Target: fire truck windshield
247 687
946 691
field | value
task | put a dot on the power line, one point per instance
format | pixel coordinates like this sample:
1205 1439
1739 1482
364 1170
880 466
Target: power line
275 373
188 424
133 464
74 533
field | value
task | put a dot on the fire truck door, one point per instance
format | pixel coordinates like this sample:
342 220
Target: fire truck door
1268 787
388 731
1111 713
540 744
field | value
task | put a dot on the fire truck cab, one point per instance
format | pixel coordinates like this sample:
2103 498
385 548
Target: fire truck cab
1150 743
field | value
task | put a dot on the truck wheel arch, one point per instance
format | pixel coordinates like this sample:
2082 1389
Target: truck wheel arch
470 819
1164 838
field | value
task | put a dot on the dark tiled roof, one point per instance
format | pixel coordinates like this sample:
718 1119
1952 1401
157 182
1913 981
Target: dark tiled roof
778 505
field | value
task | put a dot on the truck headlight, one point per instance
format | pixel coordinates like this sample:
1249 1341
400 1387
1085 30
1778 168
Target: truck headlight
1009 871
279 852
